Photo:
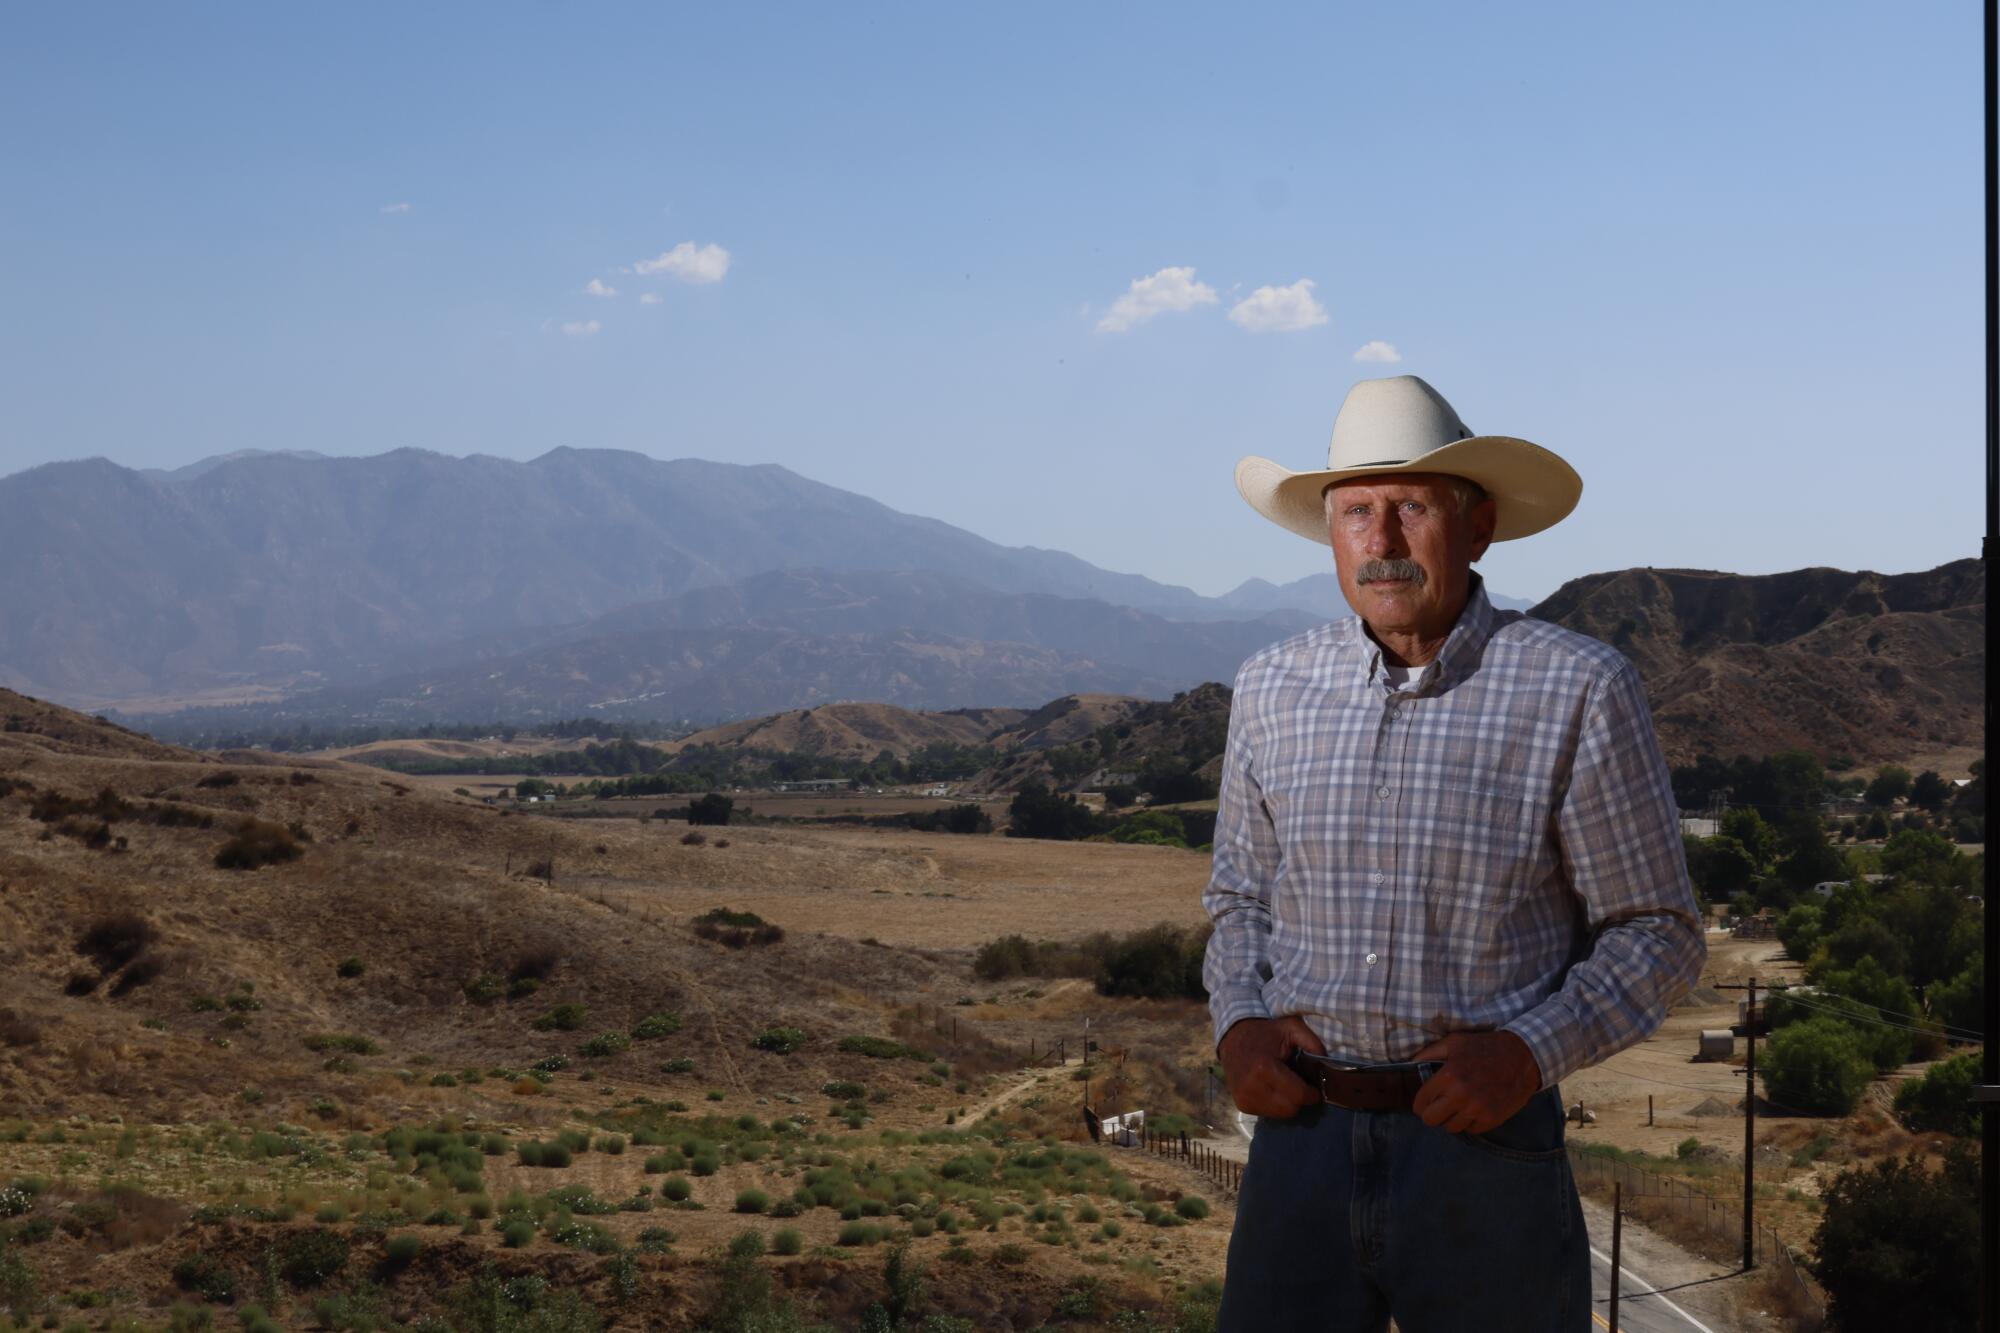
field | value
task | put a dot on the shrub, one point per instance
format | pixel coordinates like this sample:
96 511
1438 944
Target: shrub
257 843
711 808
517 1233
483 989
734 930
680 1064
206 1278
860 1233
310 1258
1818 1067
844 1089
1037 812
1896 1238
752 1201
402 1251
782 1041
342 1041
534 1152
1192 1206
1158 963
676 1189
115 939
694 838
562 1018
881 1048
1941 1100
655 1240
654 1026
786 1240
607 1044
351 967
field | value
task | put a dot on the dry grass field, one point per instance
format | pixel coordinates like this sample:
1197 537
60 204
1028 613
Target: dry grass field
208 1072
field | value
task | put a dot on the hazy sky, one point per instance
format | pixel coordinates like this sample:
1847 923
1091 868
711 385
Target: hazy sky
1043 271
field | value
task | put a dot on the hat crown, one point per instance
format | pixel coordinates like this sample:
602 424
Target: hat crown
1392 422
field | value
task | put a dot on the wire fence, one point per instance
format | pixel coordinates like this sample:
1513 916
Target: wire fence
1719 1218
1226 1173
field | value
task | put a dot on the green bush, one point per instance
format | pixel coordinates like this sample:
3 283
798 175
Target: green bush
1941 1100
786 1240
881 1048
1818 1066
351 967
1192 1206
680 1064
782 1041
311 1258
1896 1238
676 1189
654 1026
484 988
655 1240
861 1233
402 1251
607 1044
205 1277
562 1018
752 1201
517 1232
534 1152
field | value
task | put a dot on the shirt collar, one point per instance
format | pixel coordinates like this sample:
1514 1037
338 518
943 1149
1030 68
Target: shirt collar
1462 649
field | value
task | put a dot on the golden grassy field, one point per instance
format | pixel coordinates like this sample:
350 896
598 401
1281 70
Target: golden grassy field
213 1080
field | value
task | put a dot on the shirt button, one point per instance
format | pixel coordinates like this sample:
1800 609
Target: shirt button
1378 877
1371 960
1382 793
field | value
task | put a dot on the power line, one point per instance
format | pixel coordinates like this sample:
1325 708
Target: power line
1852 1017
1949 1028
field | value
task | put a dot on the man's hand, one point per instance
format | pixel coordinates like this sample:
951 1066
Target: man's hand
1487 1076
1254 1053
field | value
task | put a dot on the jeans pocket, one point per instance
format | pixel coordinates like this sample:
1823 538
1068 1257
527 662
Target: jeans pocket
1533 1134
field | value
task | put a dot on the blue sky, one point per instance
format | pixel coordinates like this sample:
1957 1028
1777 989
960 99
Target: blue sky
1723 258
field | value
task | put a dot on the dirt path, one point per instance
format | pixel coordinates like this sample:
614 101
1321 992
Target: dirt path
1014 1087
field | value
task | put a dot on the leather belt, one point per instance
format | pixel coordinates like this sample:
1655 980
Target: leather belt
1383 1087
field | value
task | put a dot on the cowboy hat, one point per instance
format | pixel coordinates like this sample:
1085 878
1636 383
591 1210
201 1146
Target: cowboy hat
1402 424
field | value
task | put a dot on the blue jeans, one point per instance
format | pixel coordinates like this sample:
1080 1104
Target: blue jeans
1347 1218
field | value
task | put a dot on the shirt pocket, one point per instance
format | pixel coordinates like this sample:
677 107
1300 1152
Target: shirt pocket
1484 850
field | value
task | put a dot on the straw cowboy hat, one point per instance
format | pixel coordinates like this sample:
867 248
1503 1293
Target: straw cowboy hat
1402 424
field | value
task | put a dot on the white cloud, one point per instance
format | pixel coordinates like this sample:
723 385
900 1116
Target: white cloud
689 263
1171 289
596 287
581 328
1378 351
396 208
1279 309
649 298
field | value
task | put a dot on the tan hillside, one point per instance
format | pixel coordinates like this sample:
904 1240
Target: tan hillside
857 731
237 1038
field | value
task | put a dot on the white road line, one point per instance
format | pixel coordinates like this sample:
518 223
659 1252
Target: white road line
1651 1296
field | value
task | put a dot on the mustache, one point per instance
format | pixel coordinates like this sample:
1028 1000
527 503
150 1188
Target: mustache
1374 571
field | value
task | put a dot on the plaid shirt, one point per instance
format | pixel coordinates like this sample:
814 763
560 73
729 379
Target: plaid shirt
1494 845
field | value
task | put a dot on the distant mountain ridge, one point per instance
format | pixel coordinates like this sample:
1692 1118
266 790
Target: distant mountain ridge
294 570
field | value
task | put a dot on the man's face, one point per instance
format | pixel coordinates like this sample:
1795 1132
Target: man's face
1404 552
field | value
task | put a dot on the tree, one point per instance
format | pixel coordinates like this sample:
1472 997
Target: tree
713 808
1891 781
1939 925
1863 937
1929 791
1754 834
1720 867
1896 1238
527 787
1817 1067
1917 853
1961 1002
1941 1100
1037 812
1799 930
1875 826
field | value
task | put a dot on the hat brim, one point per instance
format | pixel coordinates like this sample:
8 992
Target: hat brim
1533 489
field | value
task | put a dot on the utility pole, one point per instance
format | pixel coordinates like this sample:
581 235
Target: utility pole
1617 1239
1749 1124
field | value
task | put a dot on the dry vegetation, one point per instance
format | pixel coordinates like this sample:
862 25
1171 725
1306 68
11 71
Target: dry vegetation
302 1037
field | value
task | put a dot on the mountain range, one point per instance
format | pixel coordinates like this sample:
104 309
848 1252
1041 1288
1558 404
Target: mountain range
267 573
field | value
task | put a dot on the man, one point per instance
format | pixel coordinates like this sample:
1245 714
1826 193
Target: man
1448 872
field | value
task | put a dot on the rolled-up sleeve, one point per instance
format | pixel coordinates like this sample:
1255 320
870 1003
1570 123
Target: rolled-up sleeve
1619 832
1238 897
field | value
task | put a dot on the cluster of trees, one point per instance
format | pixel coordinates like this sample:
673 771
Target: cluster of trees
1157 963
225 729
1894 971
1038 812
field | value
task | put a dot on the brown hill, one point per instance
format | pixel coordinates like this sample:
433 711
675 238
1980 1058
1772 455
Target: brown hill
1876 667
856 731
